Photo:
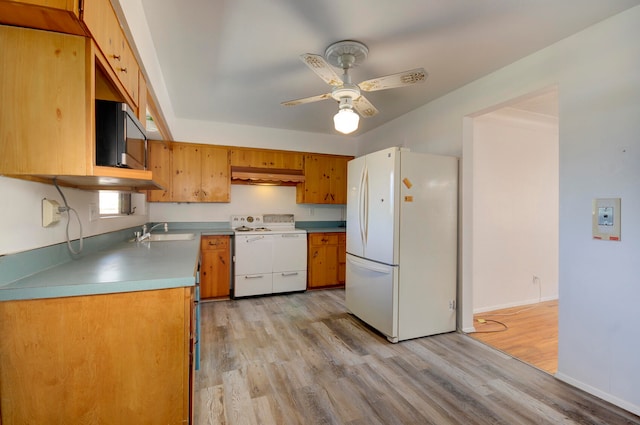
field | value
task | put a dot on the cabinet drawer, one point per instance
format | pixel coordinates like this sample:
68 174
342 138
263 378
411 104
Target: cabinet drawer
214 242
323 239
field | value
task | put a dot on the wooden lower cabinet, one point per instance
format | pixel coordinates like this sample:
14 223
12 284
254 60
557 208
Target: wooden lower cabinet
326 260
215 267
109 359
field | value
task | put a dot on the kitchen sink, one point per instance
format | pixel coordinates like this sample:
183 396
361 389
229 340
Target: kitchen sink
159 237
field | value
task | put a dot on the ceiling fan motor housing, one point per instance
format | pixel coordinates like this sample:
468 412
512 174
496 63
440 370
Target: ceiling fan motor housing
346 54
347 90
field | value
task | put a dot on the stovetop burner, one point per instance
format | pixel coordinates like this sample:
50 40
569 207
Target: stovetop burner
271 223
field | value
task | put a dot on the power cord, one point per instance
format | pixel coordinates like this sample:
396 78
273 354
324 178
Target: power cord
66 209
483 321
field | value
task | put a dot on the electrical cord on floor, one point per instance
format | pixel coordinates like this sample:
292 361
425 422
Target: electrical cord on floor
66 209
504 326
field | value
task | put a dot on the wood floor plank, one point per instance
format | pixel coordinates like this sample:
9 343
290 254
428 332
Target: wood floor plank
302 359
531 333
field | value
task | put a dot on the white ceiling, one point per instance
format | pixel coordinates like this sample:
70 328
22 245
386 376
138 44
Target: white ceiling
235 61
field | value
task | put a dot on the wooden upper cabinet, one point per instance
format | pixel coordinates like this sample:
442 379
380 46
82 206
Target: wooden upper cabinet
47 128
102 22
200 173
96 19
265 158
160 165
44 122
216 175
325 180
53 15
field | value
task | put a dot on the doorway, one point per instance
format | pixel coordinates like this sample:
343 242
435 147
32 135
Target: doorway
510 216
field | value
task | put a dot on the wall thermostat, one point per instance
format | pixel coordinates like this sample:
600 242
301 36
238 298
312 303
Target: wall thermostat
605 218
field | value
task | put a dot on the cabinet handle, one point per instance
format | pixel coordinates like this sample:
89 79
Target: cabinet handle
290 274
315 254
123 70
254 277
221 259
116 57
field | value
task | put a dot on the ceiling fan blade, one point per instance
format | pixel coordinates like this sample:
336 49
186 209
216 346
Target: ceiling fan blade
406 78
364 107
318 65
307 100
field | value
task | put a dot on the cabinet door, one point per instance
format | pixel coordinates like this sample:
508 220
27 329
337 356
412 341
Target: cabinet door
102 22
52 15
267 159
339 180
124 357
323 265
323 260
160 166
50 117
215 175
215 269
317 185
186 178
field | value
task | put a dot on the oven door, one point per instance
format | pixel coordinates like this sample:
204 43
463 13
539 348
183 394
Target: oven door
253 265
289 262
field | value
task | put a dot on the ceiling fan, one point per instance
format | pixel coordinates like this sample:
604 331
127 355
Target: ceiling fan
346 55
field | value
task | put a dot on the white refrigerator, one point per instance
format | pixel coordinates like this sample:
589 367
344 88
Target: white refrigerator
402 215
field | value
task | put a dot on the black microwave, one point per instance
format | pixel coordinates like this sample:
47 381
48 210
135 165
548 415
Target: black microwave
120 138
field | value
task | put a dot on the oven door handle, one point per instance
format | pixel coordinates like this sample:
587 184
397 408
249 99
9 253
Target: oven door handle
256 238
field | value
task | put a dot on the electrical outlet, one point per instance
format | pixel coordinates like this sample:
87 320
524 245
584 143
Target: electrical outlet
50 212
93 212
535 279
452 305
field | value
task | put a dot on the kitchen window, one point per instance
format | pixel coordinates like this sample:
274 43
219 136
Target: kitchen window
112 203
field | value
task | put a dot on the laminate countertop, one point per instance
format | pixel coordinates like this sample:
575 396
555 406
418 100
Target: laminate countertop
121 267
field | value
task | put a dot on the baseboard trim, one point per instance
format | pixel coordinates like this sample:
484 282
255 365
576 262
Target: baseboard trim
635 409
523 303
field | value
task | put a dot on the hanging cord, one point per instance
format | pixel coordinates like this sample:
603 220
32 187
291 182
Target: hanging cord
66 209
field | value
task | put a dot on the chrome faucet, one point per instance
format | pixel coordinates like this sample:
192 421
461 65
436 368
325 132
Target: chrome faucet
146 234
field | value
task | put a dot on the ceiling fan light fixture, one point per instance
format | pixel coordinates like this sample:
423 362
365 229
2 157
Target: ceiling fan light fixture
346 121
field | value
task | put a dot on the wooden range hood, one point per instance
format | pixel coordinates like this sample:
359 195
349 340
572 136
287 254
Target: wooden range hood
266 176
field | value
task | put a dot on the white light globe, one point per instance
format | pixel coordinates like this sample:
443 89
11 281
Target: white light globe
346 121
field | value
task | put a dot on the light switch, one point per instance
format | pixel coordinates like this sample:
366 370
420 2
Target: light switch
606 219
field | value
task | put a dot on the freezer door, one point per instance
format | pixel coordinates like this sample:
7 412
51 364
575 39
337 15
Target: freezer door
371 294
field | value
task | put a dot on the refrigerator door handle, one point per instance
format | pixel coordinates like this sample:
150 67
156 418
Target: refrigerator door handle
369 266
362 208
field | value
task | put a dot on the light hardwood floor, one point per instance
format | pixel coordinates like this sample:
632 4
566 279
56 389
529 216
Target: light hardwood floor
302 359
531 335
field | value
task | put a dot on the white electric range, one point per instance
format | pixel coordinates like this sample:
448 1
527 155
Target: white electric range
270 255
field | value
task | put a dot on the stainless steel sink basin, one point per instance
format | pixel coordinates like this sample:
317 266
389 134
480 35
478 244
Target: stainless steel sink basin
159 237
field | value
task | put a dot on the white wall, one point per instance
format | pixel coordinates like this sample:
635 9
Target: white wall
515 211
21 215
596 71
247 199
